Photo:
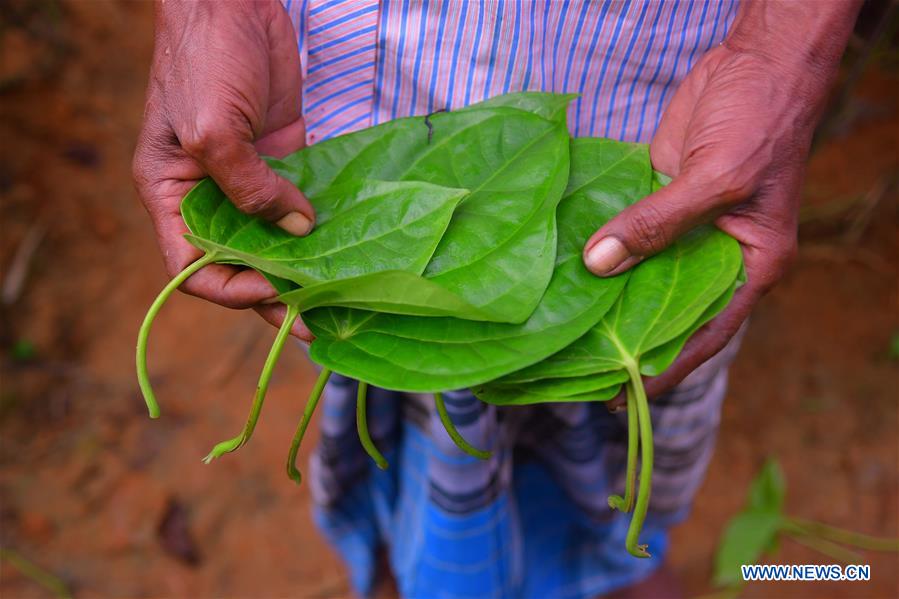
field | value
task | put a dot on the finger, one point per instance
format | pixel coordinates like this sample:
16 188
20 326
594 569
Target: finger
618 403
706 342
225 285
229 286
163 174
285 96
274 315
249 182
284 141
653 223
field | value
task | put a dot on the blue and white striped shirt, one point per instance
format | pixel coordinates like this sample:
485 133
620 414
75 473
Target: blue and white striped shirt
367 61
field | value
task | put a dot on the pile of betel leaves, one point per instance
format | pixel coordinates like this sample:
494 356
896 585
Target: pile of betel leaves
447 255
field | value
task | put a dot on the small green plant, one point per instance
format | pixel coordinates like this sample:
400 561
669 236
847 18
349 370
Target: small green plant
756 531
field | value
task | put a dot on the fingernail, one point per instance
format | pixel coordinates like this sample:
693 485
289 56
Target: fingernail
606 256
271 300
295 223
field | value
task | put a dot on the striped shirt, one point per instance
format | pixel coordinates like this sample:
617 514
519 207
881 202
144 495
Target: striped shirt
366 62
533 520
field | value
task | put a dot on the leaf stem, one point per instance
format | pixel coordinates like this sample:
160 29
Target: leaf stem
265 376
460 442
626 503
362 427
840 535
311 403
143 377
646 454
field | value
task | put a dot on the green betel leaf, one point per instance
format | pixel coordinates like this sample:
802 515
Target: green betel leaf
665 297
363 227
395 292
657 360
592 387
512 396
434 354
549 106
597 387
768 489
499 249
569 385
745 540
495 262
582 377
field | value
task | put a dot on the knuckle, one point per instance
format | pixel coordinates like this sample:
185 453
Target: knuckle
201 140
734 190
196 143
210 291
730 184
255 202
646 228
257 198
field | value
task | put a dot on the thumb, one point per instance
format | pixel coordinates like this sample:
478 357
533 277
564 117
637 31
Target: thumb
252 186
648 226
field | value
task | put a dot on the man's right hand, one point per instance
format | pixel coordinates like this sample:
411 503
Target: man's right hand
225 86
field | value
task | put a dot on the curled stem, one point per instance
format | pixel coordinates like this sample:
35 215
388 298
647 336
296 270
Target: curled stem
261 387
460 442
362 427
626 503
311 403
839 535
143 378
646 454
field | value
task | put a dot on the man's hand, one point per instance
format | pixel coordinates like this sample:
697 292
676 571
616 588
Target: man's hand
224 87
734 139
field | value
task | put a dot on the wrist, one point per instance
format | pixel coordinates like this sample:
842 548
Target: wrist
800 41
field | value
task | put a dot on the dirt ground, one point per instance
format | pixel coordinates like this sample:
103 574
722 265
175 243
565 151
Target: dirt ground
121 506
